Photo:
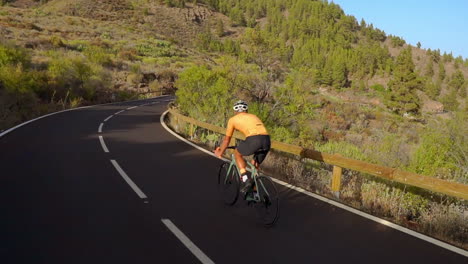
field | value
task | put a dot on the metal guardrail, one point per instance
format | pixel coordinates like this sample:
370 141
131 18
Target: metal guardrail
453 189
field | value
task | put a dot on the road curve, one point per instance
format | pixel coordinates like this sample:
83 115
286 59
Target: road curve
108 184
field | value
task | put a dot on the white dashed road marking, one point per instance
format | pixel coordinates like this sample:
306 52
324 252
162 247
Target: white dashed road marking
104 147
109 117
187 242
128 180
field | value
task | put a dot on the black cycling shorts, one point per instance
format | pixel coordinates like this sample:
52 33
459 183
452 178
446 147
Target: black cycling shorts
258 145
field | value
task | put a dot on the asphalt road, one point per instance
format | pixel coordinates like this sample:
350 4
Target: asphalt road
62 200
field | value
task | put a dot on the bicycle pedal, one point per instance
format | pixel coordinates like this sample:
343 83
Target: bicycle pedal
255 195
248 196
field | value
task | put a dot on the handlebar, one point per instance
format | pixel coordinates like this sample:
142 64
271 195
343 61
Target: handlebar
229 147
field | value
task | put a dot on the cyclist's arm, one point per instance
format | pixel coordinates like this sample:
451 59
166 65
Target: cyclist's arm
229 132
220 151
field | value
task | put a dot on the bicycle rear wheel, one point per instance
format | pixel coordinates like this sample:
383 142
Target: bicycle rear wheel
268 207
228 184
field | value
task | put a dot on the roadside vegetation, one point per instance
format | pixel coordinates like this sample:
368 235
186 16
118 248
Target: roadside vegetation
323 80
51 61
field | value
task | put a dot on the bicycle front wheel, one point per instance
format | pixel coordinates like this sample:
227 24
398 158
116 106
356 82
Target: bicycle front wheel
228 184
268 206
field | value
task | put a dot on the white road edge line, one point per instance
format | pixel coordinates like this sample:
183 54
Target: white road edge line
183 139
128 180
187 242
376 219
3 133
35 119
109 117
100 128
342 206
119 112
103 144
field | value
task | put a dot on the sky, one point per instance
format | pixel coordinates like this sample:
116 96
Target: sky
436 24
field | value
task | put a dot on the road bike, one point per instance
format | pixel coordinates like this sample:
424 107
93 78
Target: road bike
263 196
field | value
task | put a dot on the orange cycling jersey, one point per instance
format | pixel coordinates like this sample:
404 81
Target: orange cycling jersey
248 124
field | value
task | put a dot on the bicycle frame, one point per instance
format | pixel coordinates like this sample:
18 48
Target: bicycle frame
263 196
254 172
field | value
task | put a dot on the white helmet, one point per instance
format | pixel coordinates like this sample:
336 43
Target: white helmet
240 106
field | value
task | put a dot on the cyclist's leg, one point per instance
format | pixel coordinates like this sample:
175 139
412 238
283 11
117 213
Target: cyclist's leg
240 161
262 151
255 163
244 148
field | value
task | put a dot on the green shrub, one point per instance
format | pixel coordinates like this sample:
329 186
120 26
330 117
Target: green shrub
450 101
106 35
56 41
16 80
72 75
98 55
78 45
397 41
126 95
378 88
18 100
202 93
388 149
128 54
282 134
71 70
134 78
155 48
431 157
75 102
10 54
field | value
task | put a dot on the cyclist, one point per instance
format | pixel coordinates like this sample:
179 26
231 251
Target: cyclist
257 140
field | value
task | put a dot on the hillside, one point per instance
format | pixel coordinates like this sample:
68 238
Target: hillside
130 49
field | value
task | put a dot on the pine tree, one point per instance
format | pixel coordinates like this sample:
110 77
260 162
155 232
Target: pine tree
457 81
340 71
433 89
435 54
363 24
237 17
339 75
402 97
463 92
450 101
429 70
441 72
327 74
219 28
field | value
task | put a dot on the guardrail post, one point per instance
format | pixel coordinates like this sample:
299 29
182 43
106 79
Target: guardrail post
192 131
336 181
176 123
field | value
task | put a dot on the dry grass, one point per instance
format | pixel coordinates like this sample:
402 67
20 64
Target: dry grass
117 27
